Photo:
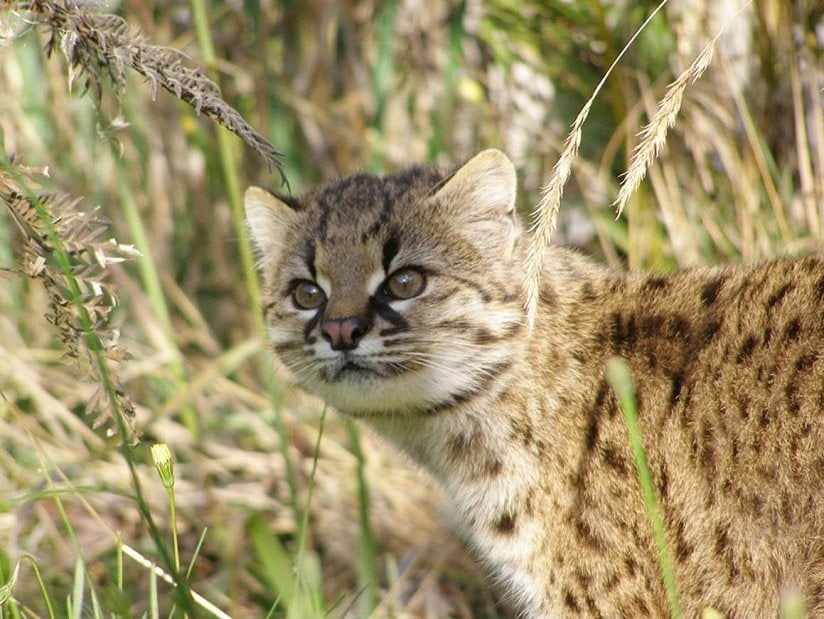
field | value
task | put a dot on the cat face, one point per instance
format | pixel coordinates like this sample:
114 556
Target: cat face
388 295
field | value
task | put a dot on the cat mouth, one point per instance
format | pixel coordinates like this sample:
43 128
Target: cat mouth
356 369
350 369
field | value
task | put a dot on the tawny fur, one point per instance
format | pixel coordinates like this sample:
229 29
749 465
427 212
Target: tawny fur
523 430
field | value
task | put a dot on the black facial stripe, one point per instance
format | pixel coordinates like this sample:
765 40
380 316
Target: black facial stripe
396 342
397 321
313 321
390 250
309 259
287 347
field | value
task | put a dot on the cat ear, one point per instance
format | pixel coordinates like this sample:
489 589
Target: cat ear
483 188
480 200
268 219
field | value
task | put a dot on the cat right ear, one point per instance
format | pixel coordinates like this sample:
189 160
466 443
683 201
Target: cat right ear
268 219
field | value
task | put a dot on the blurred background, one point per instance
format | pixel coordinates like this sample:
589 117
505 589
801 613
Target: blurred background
272 521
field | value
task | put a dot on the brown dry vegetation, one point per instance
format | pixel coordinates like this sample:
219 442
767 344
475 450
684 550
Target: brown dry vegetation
349 528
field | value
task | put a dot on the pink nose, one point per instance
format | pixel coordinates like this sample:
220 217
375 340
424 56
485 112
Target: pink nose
344 333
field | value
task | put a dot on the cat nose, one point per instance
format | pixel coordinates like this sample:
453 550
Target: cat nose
344 333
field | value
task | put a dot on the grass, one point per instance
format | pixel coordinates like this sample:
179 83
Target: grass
271 518
620 379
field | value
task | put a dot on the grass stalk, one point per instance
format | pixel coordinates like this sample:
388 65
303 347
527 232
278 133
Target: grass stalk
7 590
367 547
303 531
620 379
154 289
76 600
228 166
119 561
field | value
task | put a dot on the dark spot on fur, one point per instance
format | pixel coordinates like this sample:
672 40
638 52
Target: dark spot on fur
677 327
548 296
746 350
592 432
505 524
757 504
494 467
522 431
529 504
663 485
571 603
722 540
709 293
710 330
683 549
655 283
805 362
461 445
615 460
708 451
624 333
776 297
677 384
640 608
601 398
484 337
793 330
586 534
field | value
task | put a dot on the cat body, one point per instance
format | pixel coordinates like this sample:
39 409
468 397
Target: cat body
400 301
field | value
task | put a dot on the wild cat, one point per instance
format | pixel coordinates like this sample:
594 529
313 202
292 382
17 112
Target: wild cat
399 300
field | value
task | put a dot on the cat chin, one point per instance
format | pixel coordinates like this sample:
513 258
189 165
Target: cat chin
367 394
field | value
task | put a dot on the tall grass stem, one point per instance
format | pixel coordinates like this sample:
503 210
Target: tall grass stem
367 555
620 379
154 289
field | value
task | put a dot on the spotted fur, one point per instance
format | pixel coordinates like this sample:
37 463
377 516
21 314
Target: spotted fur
522 428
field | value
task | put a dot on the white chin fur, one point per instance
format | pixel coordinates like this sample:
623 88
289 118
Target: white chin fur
409 393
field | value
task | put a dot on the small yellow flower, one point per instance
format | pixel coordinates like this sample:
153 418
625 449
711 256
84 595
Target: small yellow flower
162 458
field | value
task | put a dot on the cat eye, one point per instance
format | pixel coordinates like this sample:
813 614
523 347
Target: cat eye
307 295
404 284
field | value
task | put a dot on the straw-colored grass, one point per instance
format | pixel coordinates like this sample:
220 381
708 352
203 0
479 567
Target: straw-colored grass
270 517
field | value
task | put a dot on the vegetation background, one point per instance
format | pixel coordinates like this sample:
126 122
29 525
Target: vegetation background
271 519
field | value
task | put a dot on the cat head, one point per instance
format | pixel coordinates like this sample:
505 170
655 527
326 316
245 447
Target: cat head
397 294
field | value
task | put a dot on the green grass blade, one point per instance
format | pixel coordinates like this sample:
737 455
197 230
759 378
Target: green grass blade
78 589
367 555
620 378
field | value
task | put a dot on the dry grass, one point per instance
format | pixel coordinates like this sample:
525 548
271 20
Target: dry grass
349 528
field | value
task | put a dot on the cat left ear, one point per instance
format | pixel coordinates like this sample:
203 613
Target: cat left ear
483 189
268 219
479 200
